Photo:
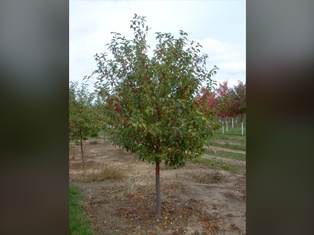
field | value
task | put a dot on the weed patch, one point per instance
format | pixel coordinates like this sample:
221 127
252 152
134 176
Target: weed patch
79 222
209 178
93 142
100 173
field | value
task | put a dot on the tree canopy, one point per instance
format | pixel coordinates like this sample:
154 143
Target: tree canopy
150 101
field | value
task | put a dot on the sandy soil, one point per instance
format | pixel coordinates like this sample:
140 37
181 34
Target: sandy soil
195 199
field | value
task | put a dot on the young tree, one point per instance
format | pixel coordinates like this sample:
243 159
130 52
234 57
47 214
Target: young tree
83 122
151 101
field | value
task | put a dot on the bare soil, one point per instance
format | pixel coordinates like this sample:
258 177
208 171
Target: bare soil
119 192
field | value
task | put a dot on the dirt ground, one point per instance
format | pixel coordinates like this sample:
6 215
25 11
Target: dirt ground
119 192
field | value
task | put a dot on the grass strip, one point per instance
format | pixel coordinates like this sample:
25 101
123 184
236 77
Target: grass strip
237 156
233 132
79 222
228 146
216 164
240 139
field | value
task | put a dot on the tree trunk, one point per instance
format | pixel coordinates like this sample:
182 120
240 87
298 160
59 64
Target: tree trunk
82 153
158 199
104 137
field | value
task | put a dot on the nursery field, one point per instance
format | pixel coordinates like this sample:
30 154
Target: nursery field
207 196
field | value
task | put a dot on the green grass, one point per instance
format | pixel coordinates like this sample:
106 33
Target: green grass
228 146
232 131
216 164
238 138
238 156
79 222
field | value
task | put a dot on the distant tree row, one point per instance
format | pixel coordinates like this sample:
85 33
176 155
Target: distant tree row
224 101
85 114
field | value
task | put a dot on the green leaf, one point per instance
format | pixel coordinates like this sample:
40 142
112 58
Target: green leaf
163 106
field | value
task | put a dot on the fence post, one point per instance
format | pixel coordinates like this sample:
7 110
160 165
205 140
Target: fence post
242 128
226 126
232 123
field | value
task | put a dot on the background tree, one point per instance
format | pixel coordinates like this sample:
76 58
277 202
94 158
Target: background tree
223 99
208 101
101 118
237 100
151 101
83 120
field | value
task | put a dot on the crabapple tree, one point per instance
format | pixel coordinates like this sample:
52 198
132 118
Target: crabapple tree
150 98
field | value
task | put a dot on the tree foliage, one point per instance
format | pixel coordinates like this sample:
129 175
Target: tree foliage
208 101
223 98
83 118
237 97
150 102
224 101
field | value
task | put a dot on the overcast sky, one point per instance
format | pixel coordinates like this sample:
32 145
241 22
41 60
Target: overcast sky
219 26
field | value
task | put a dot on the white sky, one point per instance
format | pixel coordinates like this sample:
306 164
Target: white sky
219 26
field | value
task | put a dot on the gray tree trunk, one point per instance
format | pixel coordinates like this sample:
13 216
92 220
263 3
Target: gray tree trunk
104 137
158 198
82 154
